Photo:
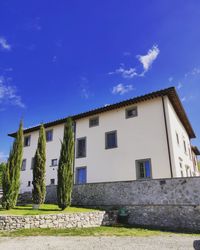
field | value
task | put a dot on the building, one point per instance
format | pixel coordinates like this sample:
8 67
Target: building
144 137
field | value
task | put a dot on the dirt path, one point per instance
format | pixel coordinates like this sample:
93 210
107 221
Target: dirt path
93 243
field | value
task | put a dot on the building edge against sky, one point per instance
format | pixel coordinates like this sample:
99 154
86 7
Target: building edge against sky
144 137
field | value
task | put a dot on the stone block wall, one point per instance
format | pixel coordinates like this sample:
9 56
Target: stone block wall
176 191
68 220
172 217
164 203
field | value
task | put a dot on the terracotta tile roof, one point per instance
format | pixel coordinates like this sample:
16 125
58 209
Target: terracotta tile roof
170 92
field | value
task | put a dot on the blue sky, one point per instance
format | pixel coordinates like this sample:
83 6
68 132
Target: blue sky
59 58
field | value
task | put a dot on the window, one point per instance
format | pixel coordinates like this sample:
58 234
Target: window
52 181
27 141
131 112
23 168
94 121
54 162
81 175
184 144
49 135
143 169
177 138
32 162
29 183
111 139
81 147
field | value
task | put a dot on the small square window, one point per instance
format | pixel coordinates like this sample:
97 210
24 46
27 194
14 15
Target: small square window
111 139
23 168
27 141
29 183
131 112
81 175
81 147
54 162
49 135
94 121
52 181
143 169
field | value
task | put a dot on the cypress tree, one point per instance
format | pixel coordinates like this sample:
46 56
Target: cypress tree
39 165
65 167
11 173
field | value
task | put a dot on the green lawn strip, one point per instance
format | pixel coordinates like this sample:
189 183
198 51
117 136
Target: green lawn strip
44 209
95 231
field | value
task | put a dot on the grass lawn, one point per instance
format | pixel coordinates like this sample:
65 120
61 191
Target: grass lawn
95 231
44 209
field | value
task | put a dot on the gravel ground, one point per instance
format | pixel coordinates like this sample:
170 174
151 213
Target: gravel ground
93 243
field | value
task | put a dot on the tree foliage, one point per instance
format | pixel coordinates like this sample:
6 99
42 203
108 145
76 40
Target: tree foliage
39 169
65 167
11 173
2 167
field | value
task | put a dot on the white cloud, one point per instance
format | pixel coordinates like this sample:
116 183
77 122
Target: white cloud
149 58
84 86
194 72
122 89
183 99
3 157
125 73
170 79
85 92
4 45
8 94
180 85
145 60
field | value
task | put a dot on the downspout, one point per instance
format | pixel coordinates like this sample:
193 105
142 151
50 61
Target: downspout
167 137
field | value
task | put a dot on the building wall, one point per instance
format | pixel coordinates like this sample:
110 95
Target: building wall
52 152
178 153
195 163
141 137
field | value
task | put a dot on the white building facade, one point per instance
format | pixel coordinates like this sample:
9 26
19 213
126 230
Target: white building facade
144 137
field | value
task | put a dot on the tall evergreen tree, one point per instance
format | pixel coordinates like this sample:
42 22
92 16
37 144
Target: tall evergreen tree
65 167
11 173
2 167
39 169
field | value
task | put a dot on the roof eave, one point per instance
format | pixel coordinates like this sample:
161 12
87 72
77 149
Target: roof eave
170 92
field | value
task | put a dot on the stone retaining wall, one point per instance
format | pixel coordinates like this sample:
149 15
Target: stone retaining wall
176 191
172 217
68 220
163 203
